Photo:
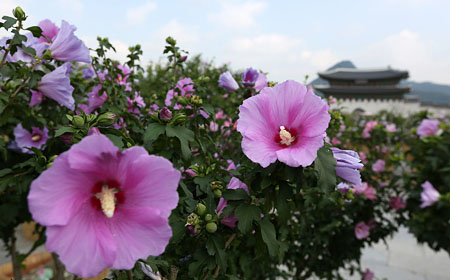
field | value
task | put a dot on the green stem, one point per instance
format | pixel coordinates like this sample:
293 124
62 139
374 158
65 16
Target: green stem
15 261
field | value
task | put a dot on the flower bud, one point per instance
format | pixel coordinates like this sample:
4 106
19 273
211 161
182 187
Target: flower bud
201 209
171 41
217 193
192 220
165 114
19 13
194 230
211 227
183 58
190 173
216 185
208 217
195 99
106 119
78 121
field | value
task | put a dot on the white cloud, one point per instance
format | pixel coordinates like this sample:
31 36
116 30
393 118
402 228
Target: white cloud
75 6
139 14
408 50
282 56
238 15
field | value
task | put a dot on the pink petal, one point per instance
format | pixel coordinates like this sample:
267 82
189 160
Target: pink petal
58 188
303 153
142 232
85 245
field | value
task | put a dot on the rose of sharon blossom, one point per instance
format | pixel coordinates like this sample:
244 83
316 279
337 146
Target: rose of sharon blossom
397 202
49 29
25 139
379 166
368 128
95 101
227 82
428 128
230 221
391 127
286 122
56 85
362 230
368 275
67 47
261 82
184 86
348 165
249 77
105 208
36 98
366 190
429 195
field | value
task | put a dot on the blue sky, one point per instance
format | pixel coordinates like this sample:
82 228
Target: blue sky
288 39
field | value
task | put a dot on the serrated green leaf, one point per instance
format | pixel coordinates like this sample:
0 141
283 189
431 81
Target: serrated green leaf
64 129
235 194
184 135
35 30
153 131
247 214
9 22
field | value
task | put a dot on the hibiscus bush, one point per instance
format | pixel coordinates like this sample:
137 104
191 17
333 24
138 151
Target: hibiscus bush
186 170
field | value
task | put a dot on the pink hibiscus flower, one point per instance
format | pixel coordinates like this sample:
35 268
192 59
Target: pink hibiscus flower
105 208
286 122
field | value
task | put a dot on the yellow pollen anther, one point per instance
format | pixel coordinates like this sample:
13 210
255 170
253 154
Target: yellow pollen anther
286 137
36 138
107 201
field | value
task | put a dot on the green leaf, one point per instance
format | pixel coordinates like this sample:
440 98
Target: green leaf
35 30
9 22
185 136
236 194
117 140
247 214
5 171
153 131
268 235
29 50
64 129
325 165
284 193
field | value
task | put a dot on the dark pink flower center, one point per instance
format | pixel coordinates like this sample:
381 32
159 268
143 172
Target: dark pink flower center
103 191
286 137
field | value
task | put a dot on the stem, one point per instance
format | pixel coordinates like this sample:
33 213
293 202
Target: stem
173 273
59 267
14 257
216 273
129 275
19 26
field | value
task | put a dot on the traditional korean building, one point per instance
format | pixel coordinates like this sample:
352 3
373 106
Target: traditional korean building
368 90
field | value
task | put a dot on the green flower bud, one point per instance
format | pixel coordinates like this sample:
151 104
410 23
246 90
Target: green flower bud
78 121
201 209
216 185
195 99
19 13
47 55
171 41
208 217
349 195
106 119
211 227
217 193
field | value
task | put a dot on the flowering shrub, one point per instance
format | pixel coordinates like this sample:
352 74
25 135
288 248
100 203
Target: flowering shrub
194 171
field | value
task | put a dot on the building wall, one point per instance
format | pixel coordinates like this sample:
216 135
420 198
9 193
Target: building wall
373 106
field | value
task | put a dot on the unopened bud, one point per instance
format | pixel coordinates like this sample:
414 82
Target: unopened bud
208 217
19 13
217 193
183 58
106 119
165 114
192 220
211 227
216 185
201 209
195 99
171 41
78 121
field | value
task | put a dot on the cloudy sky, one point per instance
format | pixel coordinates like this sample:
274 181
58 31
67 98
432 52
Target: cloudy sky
288 39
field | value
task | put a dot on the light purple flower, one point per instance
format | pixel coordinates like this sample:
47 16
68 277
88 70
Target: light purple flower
88 73
234 184
366 190
105 208
227 82
249 77
261 82
348 165
286 122
391 127
362 230
203 114
428 128
379 166
36 98
67 47
429 195
24 139
135 104
185 87
343 188
49 29
368 275
56 85
95 101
